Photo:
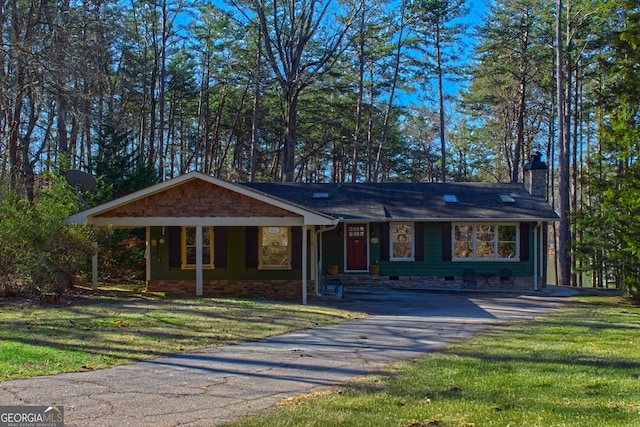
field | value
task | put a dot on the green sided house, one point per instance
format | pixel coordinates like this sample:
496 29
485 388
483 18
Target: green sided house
206 236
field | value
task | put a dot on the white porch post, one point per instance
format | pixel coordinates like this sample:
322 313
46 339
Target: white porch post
305 230
147 256
313 256
535 259
199 287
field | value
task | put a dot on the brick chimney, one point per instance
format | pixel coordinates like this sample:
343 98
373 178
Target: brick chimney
535 175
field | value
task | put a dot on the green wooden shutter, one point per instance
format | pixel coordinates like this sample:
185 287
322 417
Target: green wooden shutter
524 242
446 242
296 247
419 241
384 241
220 247
175 248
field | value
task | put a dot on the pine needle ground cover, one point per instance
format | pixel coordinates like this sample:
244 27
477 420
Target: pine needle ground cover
579 367
115 328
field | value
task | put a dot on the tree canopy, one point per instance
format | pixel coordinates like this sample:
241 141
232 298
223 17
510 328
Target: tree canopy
321 90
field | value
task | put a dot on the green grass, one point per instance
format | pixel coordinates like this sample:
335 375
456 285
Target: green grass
118 326
579 367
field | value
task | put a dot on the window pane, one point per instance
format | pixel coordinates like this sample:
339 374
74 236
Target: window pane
506 250
190 236
206 255
484 233
401 232
463 250
275 246
484 250
401 237
206 236
356 230
402 250
191 255
463 233
507 233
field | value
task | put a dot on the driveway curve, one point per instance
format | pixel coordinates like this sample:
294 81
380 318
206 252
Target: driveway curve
215 385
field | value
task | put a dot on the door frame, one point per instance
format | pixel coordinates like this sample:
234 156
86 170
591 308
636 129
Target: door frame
345 240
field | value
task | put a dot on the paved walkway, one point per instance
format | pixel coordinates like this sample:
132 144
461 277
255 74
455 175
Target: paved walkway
214 385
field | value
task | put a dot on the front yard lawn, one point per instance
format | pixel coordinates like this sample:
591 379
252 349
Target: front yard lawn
90 330
578 367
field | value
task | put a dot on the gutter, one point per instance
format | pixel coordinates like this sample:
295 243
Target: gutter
536 232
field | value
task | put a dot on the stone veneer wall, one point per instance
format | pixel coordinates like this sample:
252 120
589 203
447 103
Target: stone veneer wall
437 282
281 290
291 290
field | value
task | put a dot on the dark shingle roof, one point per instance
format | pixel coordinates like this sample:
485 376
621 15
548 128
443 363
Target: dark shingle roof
413 201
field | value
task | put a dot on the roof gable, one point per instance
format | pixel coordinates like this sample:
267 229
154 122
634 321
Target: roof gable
196 198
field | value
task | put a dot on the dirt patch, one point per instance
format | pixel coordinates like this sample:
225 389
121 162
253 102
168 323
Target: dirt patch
79 295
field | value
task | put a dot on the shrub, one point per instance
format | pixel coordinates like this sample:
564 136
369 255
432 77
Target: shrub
40 253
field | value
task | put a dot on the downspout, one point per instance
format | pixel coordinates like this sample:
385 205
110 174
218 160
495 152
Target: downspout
319 260
305 229
535 254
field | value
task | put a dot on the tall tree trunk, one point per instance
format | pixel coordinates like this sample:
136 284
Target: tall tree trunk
522 106
61 76
253 161
360 95
574 168
161 86
564 234
289 149
394 82
443 146
370 116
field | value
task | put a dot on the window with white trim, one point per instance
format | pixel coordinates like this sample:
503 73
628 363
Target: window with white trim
401 241
485 241
275 248
189 247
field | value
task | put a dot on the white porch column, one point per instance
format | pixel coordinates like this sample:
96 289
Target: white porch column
199 286
147 255
313 256
535 259
305 230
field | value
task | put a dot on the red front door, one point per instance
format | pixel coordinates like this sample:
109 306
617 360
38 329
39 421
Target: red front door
356 246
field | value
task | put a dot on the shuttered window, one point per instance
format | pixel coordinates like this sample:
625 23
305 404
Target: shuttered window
402 241
189 247
485 241
275 248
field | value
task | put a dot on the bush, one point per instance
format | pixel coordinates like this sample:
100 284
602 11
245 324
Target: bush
40 253
122 255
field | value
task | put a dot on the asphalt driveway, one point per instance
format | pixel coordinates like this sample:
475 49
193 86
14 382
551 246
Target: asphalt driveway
214 385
